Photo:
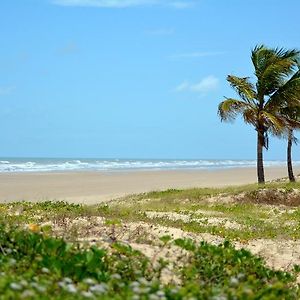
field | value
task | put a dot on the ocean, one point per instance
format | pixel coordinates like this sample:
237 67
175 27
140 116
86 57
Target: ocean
81 164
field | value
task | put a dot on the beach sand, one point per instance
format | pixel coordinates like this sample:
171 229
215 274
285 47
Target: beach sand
96 187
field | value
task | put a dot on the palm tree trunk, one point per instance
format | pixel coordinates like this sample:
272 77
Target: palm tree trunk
289 157
260 162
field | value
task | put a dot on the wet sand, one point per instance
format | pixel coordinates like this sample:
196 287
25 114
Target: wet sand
96 187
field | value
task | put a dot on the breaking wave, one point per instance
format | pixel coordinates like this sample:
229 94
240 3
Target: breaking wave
51 165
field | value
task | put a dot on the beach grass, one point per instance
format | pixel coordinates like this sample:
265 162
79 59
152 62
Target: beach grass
257 212
149 228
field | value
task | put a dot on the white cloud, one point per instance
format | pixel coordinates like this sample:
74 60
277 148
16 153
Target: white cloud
123 3
195 54
207 84
6 90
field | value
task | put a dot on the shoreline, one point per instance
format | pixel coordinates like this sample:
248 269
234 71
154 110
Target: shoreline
53 165
91 187
296 167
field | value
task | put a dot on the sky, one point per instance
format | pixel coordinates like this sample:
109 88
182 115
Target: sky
132 78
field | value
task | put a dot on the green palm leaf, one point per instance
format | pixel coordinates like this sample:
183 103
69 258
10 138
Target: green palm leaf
272 67
287 95
250 116
243 87
275 123
230 108
272 105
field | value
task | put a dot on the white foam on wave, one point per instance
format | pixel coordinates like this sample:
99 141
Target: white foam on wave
119 164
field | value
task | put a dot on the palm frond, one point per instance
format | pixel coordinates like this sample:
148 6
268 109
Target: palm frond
275 123
243 87
262 57
292 117
275 75
291 112
293 124
250 116
294 140
230 108
259 56
288 95
273 66
272 105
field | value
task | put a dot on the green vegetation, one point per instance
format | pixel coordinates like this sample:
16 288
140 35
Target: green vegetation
36 266
261 104
252 213
202 193
126 249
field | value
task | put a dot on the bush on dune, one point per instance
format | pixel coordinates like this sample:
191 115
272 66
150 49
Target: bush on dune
36 266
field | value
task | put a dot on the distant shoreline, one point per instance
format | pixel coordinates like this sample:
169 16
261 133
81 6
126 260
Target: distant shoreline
94 187
30 165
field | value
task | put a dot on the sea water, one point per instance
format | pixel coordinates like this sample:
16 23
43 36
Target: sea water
81 164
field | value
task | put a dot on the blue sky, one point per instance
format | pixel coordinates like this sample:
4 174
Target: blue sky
132 78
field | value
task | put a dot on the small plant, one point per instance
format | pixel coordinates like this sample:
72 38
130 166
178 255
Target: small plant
36 266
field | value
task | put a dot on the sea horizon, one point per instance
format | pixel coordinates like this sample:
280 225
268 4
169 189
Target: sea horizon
38 164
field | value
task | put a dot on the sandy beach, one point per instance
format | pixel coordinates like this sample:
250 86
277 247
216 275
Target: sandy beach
96 187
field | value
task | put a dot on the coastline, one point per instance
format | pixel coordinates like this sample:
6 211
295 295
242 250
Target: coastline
91 187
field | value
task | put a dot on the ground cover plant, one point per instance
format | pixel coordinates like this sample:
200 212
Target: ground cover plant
36 266
172 244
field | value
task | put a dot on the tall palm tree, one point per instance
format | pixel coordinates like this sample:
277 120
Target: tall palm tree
292 114
259 103
291 138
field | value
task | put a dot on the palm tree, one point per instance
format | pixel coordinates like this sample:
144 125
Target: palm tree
292 114
259 104
291 138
